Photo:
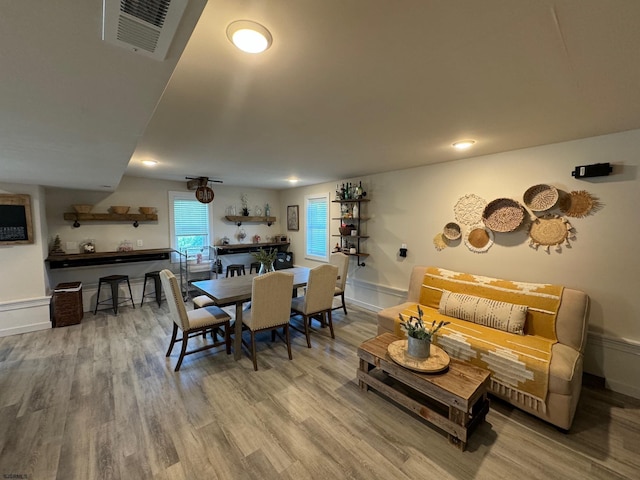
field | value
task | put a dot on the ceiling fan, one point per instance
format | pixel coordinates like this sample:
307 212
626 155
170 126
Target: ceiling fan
195 182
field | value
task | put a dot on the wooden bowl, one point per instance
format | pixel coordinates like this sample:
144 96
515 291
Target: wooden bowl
147 210
82 208
119 210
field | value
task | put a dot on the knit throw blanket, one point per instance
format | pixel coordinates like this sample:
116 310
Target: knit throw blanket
519 364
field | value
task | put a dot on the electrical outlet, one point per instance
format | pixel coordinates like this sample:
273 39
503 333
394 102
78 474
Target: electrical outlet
72 246
139 243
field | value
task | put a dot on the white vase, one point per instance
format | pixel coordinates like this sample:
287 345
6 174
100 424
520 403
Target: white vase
418 348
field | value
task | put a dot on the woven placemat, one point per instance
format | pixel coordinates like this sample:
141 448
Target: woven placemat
503 215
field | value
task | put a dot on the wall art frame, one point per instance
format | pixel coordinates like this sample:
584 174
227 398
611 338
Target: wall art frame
293 218
16 225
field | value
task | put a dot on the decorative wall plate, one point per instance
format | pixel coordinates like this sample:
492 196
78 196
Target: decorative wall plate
540 197
578 204
478 239
468 210
503 215
550 230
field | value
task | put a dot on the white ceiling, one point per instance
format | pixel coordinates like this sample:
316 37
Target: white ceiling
348 88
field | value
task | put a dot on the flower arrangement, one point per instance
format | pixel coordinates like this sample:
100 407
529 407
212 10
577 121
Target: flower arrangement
416 327
264 257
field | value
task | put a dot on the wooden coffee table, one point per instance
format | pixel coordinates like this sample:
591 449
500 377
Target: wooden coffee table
454 400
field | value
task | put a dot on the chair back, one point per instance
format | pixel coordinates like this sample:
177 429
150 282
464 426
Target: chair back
321 289
341 261
271 299
174 299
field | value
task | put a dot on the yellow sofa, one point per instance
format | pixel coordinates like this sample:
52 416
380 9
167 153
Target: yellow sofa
538 368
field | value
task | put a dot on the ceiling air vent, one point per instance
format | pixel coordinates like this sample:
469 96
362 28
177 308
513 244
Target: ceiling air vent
146 27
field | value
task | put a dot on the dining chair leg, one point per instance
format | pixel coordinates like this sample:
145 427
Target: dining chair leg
173 339
253 351
344 305
307 328
330 322
288 340
183 351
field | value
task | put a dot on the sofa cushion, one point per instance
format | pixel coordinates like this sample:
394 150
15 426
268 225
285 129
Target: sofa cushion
484 311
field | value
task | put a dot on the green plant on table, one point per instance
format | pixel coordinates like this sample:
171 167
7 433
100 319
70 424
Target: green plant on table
264 257
416 327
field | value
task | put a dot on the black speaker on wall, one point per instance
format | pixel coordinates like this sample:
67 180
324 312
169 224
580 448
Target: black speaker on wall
595 170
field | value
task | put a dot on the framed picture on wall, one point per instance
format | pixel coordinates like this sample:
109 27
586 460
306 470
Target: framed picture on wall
15 220
292 218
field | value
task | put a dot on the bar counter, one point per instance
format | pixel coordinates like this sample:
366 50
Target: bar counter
107 258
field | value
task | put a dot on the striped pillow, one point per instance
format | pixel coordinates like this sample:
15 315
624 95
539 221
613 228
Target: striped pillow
484 311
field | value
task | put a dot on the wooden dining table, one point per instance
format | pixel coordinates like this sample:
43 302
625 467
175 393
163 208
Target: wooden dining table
237 290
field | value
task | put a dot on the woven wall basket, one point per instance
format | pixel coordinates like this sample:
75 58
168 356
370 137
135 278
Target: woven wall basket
452 231
478 239
540 197
503 215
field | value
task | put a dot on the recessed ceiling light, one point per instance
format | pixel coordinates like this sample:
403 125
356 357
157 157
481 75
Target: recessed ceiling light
150 163
248 36
463 144
293 180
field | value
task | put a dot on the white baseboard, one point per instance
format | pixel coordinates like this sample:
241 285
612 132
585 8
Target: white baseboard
24 315
614 359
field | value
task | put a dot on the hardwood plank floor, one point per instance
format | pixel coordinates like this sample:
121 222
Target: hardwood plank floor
99 400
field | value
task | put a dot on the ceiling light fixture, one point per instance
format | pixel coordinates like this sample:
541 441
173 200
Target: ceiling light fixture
293 180
248 36
463 144
150 163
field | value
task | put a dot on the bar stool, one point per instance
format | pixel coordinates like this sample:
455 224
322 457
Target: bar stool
155 276
235 269
114 281
255 265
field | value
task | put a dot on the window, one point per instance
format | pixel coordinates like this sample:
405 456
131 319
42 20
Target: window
317 227
190 222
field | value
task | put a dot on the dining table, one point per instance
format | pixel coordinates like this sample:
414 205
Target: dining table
237 291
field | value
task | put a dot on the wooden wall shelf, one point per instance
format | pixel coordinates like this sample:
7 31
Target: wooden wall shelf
110 217
239 219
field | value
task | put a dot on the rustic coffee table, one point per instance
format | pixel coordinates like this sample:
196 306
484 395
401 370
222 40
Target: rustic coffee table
454 400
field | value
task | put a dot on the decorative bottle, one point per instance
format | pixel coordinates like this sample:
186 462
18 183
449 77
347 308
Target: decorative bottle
356 211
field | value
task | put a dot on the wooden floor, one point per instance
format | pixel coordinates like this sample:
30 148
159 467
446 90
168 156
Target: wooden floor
100 400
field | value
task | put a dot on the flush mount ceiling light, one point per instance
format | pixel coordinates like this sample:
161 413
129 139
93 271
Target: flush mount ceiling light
463 144
248 36
293 180
150 163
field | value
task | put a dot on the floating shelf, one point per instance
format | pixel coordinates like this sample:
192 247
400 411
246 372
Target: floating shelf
240 219
110 217
351 200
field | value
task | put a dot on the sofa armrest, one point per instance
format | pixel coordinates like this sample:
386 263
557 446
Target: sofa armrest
571 321
387 317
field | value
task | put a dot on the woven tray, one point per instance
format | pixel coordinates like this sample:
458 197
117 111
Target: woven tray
503 215
540 197
438 360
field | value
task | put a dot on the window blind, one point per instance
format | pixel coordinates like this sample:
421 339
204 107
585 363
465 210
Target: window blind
317 213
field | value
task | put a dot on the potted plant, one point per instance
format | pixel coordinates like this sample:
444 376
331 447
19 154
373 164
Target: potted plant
266 259
245 205
419 336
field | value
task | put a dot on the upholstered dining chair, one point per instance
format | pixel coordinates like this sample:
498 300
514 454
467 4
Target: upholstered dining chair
318 299
191 322
270 309
341 261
